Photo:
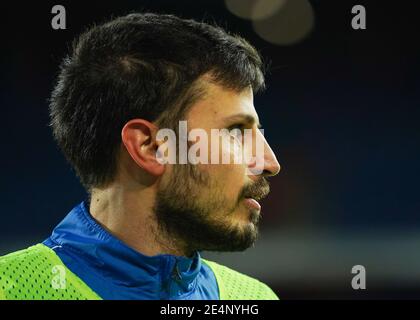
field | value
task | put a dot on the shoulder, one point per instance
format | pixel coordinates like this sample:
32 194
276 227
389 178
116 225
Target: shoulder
38 273
234 285
23 259
19 266
17 258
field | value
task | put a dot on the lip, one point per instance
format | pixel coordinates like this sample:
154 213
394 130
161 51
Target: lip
252 204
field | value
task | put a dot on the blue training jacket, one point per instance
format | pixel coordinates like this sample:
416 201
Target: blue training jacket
115 271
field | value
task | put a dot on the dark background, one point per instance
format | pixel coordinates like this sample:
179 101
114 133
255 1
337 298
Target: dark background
341 112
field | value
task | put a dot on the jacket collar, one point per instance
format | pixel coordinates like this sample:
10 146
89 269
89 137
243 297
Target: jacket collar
163 274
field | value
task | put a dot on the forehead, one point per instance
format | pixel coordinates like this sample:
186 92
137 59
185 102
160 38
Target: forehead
220 104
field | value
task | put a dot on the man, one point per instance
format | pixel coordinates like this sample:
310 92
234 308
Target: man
139 234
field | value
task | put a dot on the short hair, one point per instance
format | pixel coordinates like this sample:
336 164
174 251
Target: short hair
141 65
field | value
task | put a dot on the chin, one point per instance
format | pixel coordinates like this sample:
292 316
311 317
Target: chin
250 217
248 224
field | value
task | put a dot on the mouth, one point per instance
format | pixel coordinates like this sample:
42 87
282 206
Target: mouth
252 204
254 193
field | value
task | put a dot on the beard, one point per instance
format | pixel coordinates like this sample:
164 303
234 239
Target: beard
194 214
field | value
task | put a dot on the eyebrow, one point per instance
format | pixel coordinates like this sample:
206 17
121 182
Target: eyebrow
248 118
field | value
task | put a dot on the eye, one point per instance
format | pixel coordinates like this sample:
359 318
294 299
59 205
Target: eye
239 126
237 130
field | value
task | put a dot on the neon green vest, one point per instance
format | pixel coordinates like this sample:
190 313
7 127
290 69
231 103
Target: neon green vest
34 274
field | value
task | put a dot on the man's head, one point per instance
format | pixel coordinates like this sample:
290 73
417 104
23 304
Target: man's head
133 75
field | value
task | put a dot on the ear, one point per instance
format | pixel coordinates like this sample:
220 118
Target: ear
139 138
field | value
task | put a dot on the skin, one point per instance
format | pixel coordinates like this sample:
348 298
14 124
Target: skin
128 206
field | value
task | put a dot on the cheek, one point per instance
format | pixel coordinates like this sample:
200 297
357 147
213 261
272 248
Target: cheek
224 148
227 179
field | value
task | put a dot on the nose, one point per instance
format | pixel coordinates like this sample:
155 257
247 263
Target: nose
264 160
271 165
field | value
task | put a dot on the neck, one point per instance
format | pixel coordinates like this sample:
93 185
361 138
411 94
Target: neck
129 216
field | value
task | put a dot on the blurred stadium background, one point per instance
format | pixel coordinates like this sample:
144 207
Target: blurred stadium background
342 113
